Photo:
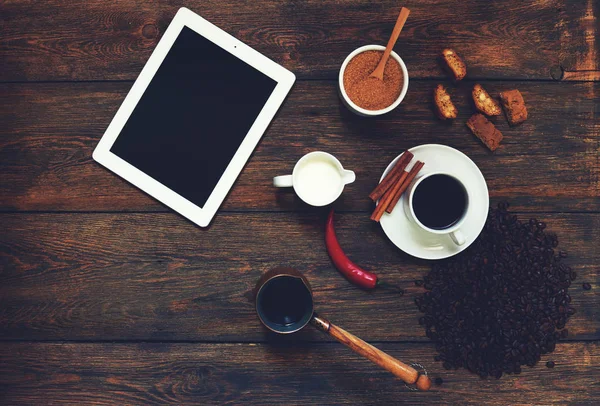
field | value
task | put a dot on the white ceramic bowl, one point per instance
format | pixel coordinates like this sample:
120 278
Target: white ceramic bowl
359 110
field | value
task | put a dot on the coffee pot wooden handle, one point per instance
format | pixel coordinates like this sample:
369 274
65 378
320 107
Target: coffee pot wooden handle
405 372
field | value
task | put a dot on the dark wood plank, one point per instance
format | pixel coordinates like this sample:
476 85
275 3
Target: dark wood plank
549 163
99 40
581 76
149 374
158 277
579 31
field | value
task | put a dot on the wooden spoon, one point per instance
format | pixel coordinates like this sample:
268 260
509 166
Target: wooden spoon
378 72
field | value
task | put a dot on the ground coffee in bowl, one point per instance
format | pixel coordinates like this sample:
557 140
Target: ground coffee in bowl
368 92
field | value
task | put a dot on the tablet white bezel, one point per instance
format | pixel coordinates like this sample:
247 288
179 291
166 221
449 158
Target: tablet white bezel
199 215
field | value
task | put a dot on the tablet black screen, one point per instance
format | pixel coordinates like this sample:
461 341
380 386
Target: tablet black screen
193 116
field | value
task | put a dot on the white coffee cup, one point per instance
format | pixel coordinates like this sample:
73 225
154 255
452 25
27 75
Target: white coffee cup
454 230
318 178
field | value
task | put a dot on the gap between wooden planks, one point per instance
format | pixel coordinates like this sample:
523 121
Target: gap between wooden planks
550 163
156 277
34 373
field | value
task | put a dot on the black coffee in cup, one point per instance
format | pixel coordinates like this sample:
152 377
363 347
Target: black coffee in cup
439 201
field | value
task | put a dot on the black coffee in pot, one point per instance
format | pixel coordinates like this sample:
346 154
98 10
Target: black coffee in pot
285 301
439 201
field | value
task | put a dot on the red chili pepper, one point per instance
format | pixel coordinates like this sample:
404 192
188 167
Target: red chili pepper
349 269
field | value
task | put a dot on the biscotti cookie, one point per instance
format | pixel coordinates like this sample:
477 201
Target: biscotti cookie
484 102
485 131
444 107
454 64
514 106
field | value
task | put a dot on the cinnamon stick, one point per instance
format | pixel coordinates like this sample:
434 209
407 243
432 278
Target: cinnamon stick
390 179
387 197
411 175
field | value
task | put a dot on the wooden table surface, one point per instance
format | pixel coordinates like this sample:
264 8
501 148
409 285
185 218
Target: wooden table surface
109 297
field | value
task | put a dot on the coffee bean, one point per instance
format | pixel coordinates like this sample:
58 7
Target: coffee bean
550 364
587 286
438 381
498 305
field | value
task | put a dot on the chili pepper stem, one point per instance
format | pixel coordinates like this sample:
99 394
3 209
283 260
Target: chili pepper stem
384 285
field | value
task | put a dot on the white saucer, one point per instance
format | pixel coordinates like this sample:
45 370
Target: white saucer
419 243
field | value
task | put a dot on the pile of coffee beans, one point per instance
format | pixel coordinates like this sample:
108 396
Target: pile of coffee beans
503 302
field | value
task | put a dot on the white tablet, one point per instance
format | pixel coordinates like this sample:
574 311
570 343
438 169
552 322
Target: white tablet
193 117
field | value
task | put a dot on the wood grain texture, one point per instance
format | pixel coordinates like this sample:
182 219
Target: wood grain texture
581 76
139 306
157 277
550 162
579 28
327 373
100 40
